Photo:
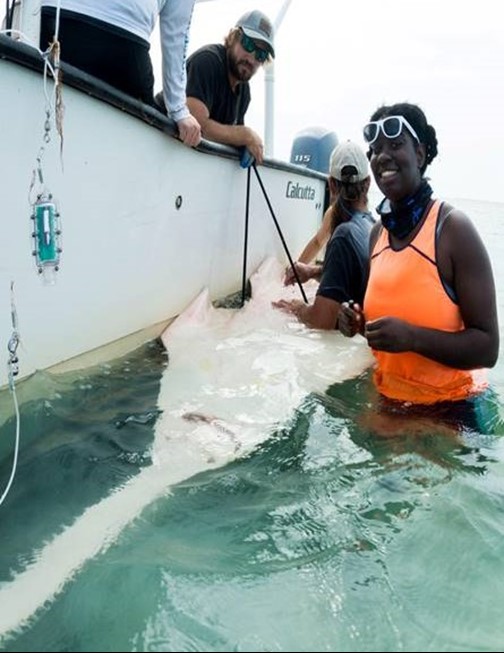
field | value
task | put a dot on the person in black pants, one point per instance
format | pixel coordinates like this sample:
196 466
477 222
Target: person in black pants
110 40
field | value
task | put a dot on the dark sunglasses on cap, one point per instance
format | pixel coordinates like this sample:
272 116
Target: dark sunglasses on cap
391 127
249 46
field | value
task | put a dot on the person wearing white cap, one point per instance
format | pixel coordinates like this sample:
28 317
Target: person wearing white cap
343 274
218 75
111 40
315 245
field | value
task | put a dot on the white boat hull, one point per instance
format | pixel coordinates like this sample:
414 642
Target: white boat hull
131 259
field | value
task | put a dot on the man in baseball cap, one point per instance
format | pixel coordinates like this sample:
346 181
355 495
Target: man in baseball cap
218 75
258 26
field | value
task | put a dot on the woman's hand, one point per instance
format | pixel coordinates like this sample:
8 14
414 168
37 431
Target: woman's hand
390 334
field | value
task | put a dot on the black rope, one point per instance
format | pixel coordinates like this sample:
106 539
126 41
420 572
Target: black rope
11 17
8 14
245 244
280 234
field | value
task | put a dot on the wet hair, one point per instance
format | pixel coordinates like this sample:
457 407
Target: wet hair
416 118
349 193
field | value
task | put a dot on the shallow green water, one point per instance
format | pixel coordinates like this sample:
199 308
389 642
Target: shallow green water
323 538
313 542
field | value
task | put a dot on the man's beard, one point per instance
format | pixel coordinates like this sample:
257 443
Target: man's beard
239 68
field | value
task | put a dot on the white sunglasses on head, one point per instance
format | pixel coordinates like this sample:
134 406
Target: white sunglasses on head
391 127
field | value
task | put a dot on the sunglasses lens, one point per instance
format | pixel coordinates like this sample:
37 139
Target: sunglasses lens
370 132
247 44
392 126
261 55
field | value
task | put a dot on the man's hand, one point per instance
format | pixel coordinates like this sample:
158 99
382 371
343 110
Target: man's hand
254 144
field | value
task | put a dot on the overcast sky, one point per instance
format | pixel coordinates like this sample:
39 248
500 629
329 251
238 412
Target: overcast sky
337 61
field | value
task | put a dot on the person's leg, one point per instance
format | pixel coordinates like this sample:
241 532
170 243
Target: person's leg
109 53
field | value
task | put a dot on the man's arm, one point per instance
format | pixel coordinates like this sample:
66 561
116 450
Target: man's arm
235 135
322 314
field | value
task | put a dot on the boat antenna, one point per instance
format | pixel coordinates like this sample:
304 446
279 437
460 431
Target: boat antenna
269 90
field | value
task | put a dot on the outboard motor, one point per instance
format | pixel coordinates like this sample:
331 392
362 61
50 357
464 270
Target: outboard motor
312 148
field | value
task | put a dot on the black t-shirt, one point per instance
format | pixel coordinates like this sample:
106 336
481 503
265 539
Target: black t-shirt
207 80
346 260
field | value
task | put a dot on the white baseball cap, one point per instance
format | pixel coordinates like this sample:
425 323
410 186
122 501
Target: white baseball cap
348 154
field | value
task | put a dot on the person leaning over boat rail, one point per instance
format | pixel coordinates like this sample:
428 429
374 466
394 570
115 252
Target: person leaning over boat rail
110 40
218 90
429 311
343 273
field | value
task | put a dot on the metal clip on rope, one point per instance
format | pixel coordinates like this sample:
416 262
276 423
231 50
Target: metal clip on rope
12 345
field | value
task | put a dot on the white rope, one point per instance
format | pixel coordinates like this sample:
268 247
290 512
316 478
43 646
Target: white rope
12 371
56 29
16 446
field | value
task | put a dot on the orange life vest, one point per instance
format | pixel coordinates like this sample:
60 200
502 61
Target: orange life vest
406 284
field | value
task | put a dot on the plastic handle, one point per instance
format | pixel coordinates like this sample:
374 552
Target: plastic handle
246 159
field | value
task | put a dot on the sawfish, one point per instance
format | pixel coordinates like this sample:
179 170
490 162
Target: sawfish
234 376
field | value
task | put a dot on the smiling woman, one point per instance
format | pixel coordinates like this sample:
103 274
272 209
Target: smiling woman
430 312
